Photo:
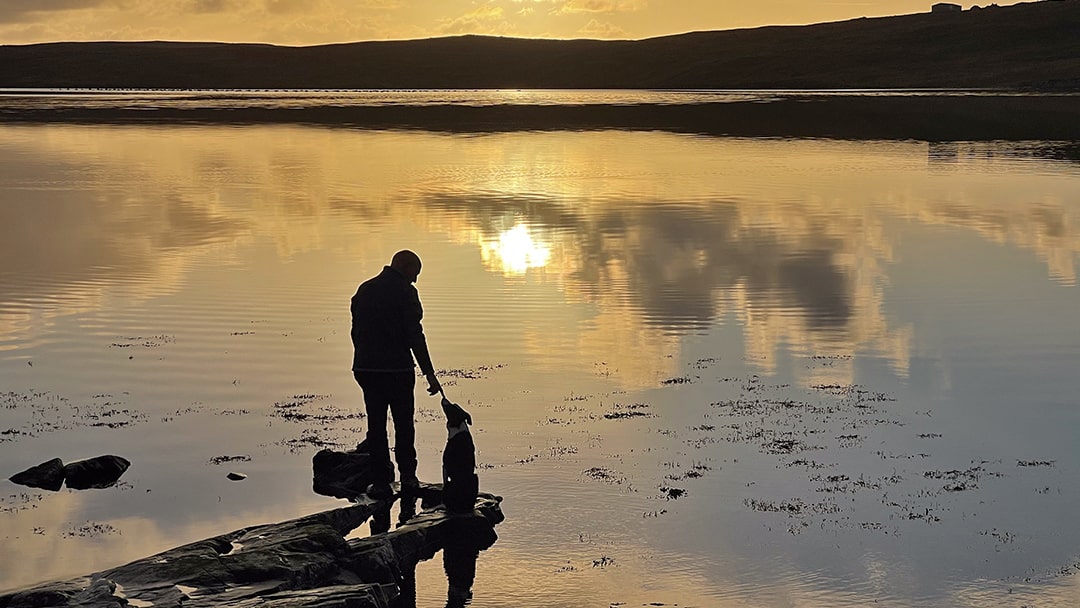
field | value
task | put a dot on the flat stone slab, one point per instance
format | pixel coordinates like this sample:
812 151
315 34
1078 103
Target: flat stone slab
304 562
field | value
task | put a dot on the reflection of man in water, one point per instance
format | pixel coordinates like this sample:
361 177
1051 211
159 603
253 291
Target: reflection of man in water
386 335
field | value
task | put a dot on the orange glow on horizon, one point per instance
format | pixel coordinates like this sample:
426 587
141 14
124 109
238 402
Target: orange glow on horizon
302 23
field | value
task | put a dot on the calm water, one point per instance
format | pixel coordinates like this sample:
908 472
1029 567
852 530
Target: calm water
142 99
706 372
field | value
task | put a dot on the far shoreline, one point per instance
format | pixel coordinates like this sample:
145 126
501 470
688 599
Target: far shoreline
990 115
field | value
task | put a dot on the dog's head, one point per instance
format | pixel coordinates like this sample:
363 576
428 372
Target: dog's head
455 414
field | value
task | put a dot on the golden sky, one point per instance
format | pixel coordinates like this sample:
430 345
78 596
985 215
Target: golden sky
308 22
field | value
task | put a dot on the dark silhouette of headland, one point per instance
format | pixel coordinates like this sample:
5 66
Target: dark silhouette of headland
1028 45
1031 48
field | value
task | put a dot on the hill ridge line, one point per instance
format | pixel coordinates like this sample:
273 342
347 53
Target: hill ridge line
1029 45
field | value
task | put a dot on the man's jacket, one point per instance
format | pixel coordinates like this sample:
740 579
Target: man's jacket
386 315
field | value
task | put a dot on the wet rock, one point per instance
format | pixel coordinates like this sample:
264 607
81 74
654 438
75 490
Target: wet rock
48 475
234 476
305 562
49 594
342 474
338 596
99 472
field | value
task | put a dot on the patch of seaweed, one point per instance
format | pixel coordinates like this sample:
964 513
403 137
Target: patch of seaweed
1035 463
307 441
794 507
216 460
143 342
678 380
605 475
472 373
628 410
90 530
23 501
672 493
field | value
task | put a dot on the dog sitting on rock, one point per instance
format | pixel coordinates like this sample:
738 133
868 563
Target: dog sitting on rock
460 483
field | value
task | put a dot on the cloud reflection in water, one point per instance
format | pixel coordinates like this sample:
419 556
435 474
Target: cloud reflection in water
660 234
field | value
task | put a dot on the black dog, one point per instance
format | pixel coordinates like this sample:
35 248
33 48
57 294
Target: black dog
460 483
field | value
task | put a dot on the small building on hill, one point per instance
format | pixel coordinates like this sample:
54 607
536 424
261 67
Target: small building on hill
946 7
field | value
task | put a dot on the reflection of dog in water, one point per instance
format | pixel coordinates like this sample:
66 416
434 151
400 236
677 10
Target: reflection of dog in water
460 483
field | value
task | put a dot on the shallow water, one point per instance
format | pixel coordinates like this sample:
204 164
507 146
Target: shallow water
703 371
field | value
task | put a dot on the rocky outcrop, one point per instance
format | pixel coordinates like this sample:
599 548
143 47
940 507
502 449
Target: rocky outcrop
342 474
99 472
303 562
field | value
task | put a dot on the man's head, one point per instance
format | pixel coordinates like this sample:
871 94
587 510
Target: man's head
407 263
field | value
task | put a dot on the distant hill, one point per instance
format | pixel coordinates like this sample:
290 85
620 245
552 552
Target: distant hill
1030 45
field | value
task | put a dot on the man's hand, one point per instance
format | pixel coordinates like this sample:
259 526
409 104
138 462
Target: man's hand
433 386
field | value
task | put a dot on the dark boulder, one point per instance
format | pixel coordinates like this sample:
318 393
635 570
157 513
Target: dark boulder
99 472
46 476
342 474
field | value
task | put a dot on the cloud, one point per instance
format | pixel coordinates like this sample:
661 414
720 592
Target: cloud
210 6
16 10
483 20
597 29
291 22
570 7
278 7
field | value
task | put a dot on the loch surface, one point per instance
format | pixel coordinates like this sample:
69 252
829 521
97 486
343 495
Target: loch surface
703 371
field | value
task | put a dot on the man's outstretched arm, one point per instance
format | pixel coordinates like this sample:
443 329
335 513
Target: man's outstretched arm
414 330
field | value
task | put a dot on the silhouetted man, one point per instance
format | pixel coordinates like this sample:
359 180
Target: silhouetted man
386 335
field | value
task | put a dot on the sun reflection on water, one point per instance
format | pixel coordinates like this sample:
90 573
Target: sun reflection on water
515 251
